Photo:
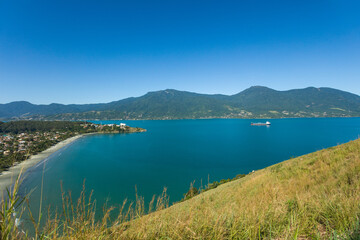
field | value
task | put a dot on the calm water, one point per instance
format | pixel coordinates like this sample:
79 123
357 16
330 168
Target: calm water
174 153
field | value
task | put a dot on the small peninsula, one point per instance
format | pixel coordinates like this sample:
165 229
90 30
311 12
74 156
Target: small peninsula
20 140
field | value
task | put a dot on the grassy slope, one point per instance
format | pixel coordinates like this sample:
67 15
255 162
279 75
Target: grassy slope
312 196
315 196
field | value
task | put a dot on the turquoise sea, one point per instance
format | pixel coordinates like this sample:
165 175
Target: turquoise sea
175 153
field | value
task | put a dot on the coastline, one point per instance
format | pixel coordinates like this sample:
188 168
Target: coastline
8 177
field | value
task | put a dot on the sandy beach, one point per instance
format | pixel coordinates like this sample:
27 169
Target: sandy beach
8 177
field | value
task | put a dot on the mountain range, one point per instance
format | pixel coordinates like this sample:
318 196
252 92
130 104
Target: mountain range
254 102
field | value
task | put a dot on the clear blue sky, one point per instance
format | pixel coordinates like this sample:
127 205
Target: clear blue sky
100 51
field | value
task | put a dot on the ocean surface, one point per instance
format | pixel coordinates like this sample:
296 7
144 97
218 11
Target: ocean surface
173 154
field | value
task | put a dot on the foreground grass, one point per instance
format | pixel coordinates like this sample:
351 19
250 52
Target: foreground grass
315 196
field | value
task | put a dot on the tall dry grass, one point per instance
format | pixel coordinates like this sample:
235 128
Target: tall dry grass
316 196
11 212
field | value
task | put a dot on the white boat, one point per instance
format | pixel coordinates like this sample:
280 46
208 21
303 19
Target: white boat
267 123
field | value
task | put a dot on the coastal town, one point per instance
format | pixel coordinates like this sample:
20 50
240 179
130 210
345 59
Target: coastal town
21 139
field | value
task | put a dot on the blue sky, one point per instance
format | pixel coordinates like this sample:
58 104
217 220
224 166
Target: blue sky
100 51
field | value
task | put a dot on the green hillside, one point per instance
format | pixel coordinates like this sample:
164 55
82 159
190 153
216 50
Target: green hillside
254 102
315 196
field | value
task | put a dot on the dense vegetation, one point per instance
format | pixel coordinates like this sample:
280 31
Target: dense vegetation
193 191
255 102
315 196
16 127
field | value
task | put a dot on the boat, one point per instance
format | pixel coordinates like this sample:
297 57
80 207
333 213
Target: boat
267 123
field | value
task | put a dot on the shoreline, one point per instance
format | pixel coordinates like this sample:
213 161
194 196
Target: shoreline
212 118
8 177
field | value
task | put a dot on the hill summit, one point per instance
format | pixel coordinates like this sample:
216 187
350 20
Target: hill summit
254 102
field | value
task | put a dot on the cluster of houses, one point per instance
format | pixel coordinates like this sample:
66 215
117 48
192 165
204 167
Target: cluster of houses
22 142
121 125
100 126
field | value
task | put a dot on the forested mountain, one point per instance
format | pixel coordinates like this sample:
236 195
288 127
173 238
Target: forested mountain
254 102
26 109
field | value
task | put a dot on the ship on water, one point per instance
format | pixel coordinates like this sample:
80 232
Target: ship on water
267 123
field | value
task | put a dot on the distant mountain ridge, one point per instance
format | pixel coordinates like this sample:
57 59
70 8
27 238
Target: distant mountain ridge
254 102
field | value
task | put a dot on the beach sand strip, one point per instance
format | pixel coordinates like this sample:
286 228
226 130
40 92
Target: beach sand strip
8 177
